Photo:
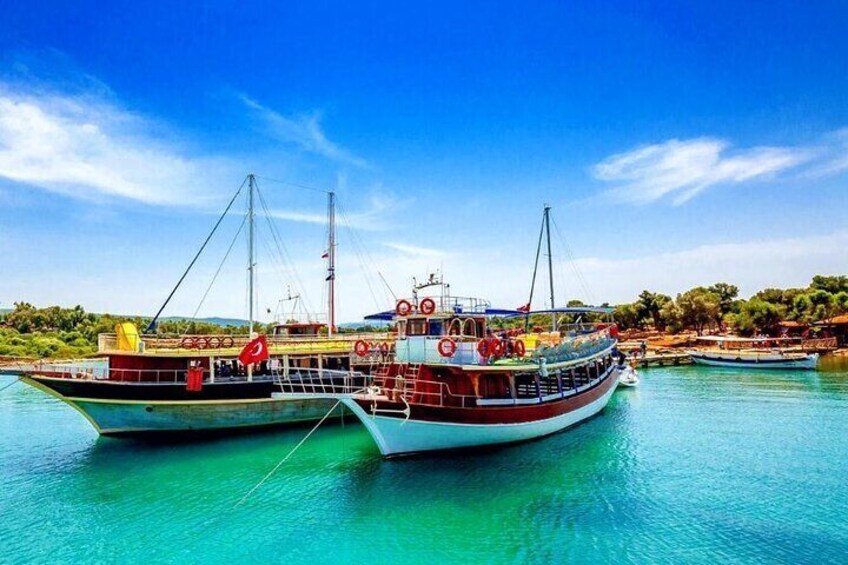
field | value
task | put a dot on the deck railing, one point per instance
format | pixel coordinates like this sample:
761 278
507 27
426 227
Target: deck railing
108 342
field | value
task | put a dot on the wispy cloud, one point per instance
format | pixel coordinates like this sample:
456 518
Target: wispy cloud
87 146
303 131
681 169
416 251
375 217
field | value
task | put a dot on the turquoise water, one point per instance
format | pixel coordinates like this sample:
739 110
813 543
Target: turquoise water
696 465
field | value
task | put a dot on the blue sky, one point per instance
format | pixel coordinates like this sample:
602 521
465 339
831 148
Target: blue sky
678 143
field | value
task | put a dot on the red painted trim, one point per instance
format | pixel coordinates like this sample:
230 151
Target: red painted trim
497 414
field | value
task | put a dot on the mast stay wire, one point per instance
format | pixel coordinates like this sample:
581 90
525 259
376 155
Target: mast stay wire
573 263
218 272
363 256
284 256
152 324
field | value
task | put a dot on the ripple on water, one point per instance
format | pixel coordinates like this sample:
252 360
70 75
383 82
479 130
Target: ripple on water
694 465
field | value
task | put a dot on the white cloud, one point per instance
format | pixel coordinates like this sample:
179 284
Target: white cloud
751 265
681 169
304 131
88 147
416 251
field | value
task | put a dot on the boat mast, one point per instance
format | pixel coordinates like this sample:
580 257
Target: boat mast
533 280
331 262
250 262
550 264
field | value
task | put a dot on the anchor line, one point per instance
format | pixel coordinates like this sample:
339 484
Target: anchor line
286 458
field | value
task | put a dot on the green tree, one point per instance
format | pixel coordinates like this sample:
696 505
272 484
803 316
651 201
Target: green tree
699 308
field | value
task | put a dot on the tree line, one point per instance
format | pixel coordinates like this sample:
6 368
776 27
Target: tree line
718 307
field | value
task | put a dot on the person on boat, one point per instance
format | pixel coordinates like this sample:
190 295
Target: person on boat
643 347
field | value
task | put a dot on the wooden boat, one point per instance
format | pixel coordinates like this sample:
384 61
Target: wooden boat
754 353
453 384
154 384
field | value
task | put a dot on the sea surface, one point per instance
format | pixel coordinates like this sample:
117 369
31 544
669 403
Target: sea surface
697 465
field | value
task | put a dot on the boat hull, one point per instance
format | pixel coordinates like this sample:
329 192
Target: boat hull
396 436
117 417
807 363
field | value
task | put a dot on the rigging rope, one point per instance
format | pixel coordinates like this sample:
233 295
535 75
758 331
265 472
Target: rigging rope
573 263
218 272
361 253
286 458
152 324
10 384
285 257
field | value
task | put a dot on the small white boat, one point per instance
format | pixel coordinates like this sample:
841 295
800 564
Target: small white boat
628 377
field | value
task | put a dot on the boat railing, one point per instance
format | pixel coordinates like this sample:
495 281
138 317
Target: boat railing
107 343
97 369
322 382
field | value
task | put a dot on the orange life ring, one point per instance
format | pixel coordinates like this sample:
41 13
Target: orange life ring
227 341
188 342
498 348
361 348
519 348
403 307
204 342
446 347
427 306
484 348
215 342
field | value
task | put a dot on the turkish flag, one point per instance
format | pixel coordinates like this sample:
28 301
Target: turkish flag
255 351
525 309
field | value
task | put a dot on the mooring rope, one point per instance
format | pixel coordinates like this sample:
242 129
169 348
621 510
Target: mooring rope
10 384
286 458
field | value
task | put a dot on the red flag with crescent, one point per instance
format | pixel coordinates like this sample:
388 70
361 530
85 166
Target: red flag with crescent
524 309
255 351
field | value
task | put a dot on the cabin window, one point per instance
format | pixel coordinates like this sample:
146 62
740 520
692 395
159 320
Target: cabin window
416 327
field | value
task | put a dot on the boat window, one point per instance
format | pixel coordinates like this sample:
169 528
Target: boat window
417 327
435 327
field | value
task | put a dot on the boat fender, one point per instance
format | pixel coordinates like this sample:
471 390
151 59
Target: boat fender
427 306
403 307
519 348
446 347
361 348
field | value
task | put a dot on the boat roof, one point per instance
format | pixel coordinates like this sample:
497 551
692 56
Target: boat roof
576 310
390 315
743 339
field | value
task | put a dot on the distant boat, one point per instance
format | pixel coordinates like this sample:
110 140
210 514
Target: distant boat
753 353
